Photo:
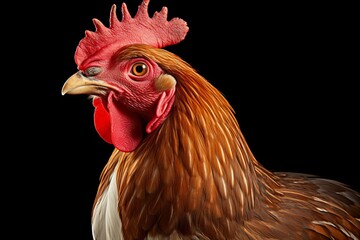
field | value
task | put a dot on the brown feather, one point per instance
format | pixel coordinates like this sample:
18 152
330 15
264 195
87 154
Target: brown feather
196 176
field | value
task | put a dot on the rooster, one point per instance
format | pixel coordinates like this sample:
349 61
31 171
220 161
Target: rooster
181 167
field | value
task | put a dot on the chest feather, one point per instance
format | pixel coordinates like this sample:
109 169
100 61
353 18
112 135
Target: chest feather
106 223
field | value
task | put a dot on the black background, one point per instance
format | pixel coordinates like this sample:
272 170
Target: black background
289 70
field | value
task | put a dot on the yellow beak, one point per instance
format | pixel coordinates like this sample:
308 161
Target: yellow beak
79 84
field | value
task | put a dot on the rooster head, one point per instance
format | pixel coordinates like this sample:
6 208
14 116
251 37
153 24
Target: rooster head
132 94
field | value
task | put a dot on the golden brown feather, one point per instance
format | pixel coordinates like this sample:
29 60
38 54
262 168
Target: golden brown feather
181 167
196 176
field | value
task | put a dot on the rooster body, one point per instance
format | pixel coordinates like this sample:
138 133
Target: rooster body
181 168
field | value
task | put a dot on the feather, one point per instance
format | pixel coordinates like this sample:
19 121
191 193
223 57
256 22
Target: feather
187 171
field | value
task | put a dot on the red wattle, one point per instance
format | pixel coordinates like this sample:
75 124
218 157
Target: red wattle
117 125
102 120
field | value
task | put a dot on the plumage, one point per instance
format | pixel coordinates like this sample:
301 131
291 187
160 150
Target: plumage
181 167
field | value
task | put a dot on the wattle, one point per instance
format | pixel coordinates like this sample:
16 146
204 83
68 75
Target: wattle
118 126
102 120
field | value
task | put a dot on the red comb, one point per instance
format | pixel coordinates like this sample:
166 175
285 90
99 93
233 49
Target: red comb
155 31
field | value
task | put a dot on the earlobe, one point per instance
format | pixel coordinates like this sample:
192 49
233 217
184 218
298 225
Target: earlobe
164 82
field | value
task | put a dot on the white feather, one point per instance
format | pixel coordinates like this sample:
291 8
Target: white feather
106 223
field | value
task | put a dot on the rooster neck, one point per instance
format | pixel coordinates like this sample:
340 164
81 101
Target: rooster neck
194 168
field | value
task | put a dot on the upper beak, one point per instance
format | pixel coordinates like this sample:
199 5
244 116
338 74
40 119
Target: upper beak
79 84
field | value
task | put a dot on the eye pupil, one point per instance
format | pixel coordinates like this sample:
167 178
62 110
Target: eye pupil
139 68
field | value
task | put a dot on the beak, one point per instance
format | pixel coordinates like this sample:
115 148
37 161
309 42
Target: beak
79 84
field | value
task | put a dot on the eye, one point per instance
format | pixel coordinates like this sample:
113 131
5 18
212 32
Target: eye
139 69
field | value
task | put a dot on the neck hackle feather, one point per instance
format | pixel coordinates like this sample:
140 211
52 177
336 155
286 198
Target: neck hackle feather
196 167
195 177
